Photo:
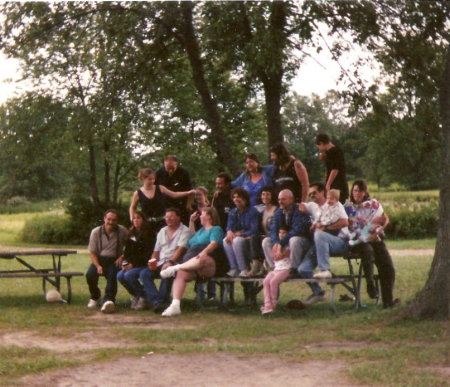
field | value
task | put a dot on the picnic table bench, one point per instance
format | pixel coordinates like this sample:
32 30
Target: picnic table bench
51 275
351 281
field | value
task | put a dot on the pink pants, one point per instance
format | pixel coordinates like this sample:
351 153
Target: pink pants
271 285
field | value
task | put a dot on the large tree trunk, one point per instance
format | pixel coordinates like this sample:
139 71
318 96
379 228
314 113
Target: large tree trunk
212 115
433 301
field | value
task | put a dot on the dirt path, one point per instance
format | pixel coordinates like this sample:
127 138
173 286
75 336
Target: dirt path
196 370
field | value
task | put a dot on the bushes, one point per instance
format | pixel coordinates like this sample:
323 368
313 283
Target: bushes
50 229
71 228
413 223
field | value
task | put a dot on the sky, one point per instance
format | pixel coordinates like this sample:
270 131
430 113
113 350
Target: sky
316 75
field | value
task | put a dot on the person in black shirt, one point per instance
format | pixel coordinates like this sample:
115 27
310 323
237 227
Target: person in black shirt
221 200
177 179
335 165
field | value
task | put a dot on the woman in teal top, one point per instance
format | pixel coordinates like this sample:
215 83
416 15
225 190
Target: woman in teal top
203 259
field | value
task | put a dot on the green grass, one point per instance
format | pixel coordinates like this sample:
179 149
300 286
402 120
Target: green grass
379 346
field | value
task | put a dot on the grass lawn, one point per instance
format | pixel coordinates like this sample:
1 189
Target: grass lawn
380 346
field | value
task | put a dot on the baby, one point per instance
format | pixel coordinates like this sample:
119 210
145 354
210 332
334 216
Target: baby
330 212
372 231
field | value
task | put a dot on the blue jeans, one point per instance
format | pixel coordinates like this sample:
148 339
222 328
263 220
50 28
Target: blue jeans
130 281
110 272
325 245
154 295
238 253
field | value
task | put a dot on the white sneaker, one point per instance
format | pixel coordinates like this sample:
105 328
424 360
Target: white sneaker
172 310
245 274
134 301
92 304
140 304
168 272
108 307
324 274
232 273
313 298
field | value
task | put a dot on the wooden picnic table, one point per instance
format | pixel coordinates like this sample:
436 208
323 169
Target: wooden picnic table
50 275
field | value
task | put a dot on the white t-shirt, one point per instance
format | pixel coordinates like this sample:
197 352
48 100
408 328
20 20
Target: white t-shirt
166 246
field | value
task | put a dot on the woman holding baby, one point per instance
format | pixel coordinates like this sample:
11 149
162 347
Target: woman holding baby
366 222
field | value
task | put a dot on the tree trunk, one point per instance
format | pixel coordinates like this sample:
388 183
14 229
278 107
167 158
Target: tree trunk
433 301
272 94
221 145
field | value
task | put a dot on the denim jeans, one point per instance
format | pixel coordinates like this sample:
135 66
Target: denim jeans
130 281
109 271
154 296
325 245
297 244
238 253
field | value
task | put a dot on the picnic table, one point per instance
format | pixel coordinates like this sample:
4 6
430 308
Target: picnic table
51 275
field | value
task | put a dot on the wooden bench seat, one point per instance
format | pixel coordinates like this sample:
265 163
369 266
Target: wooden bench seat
351 281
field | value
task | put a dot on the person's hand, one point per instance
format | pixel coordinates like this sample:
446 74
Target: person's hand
118 262
128 266
302 207
194 216
229 237
99 269
320 226
166 265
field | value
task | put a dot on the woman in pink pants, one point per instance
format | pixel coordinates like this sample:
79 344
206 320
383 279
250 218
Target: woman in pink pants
273 280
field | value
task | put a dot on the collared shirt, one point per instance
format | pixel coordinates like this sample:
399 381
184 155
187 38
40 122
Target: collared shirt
102 244
247 221
166 246
297 222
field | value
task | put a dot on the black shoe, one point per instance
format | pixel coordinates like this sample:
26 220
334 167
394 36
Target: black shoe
159 307
372 292
395 302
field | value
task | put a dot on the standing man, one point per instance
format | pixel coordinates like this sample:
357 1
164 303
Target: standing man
174 177
106 245
297 237
221 200
335 164
170 246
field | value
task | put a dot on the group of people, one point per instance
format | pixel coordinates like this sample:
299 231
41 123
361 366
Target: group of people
260 222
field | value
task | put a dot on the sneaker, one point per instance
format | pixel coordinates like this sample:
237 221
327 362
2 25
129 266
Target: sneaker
324 274
172 310
108 307
168 272
232 273
92 304
134 301
255 268
266 311
313 298
159 307
140 304
245 274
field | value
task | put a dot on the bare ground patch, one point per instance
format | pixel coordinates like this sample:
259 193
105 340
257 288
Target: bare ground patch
218 369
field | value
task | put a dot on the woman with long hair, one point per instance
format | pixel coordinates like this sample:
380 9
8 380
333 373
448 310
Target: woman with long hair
289 173
138 248
204 259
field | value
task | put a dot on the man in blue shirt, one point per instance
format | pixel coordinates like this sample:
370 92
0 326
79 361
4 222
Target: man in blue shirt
297 238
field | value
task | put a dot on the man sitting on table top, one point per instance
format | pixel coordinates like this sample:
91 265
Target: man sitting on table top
106 245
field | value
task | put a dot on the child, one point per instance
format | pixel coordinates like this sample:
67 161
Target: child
370 232
281 271
330 212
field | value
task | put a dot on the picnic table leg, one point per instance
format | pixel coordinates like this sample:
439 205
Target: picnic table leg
332 292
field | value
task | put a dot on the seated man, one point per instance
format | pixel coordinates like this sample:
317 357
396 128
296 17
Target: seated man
297 238
243 222
106 245
325 244
170 245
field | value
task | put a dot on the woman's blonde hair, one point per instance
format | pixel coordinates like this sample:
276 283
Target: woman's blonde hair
212 212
